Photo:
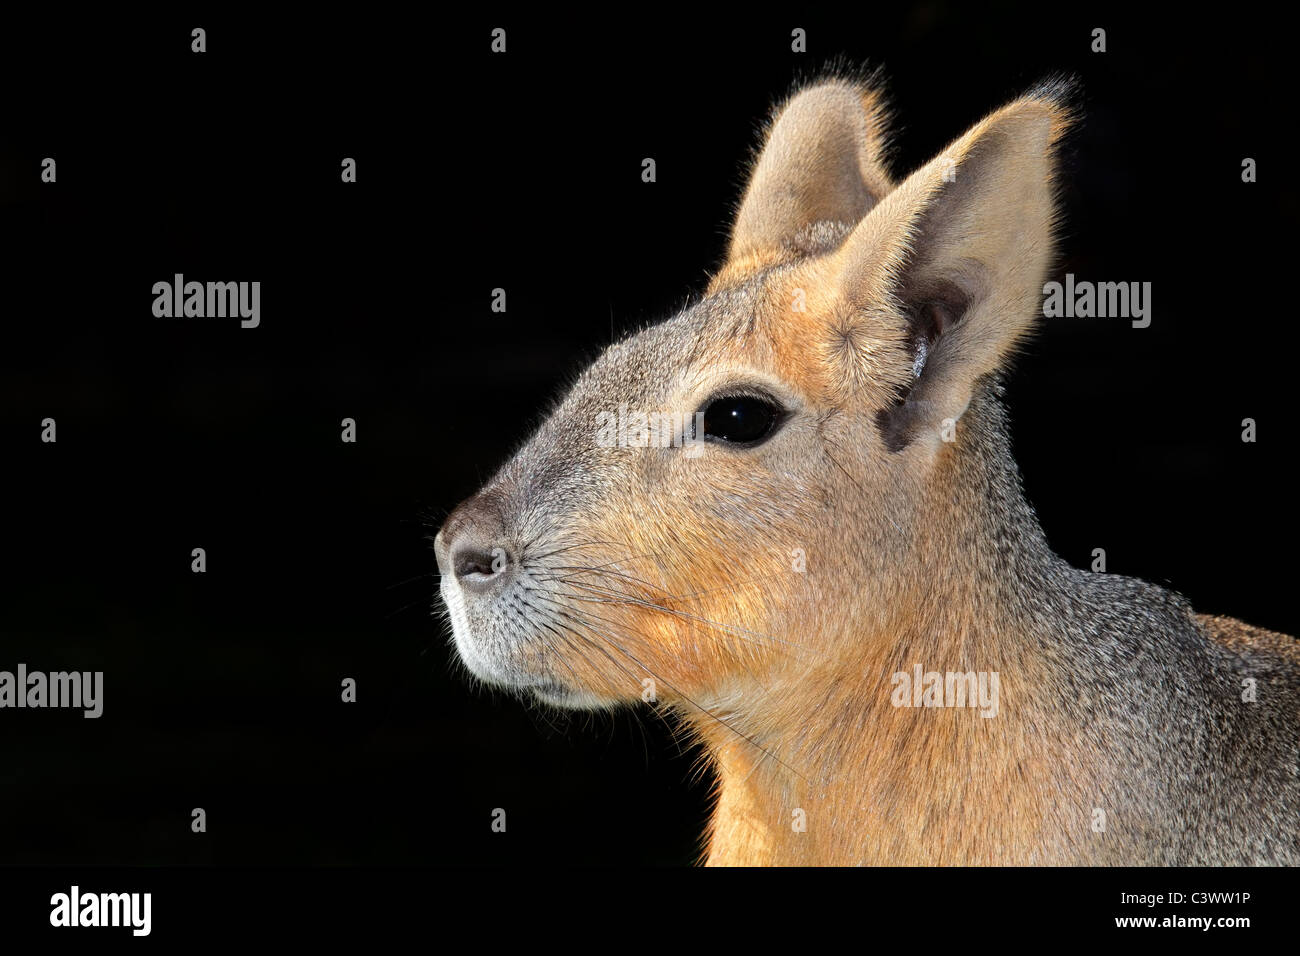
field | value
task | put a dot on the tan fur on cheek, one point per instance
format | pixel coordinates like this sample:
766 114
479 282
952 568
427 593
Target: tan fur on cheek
775 591
668 603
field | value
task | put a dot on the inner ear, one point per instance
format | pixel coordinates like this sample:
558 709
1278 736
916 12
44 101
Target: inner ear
926 324
934 308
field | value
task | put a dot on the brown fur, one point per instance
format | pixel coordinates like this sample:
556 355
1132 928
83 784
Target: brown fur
628 564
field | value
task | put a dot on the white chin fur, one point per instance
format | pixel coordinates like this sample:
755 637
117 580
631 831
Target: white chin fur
496 669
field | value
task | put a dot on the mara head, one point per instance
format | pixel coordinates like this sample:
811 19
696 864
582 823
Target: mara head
722 500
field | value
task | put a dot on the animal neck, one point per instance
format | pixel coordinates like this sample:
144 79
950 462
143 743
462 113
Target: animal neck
916 713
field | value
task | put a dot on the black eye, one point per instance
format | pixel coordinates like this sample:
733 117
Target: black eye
741 419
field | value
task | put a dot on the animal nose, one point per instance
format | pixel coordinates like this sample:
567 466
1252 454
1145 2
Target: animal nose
471 546
475 559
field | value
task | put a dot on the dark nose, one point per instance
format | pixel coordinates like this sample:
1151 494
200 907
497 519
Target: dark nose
471 546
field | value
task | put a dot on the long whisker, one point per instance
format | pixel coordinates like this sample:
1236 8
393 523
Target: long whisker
571 547
418 577
608 595
849 475
542 614
560 612
701 708
423 602
619 626
672 597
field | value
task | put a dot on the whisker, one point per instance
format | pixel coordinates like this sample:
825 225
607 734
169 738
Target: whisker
418 577
612 596
855 481
567 548
406 607
701 708
673 597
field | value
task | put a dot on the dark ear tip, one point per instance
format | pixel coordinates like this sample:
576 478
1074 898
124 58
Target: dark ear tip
1062 89
1062 93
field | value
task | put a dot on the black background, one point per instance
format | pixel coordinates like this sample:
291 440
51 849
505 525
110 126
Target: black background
519 171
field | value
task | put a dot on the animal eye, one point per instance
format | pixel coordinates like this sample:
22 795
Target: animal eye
741 419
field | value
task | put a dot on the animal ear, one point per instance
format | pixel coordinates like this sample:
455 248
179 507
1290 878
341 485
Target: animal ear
821 162
952 263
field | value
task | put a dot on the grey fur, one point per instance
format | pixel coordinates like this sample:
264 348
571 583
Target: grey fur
1138 711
